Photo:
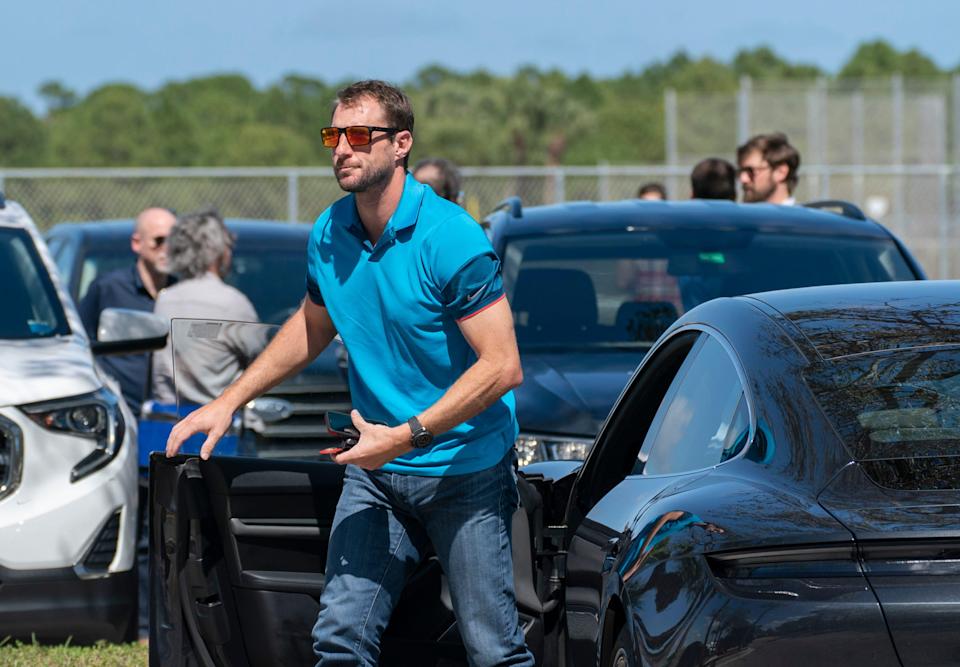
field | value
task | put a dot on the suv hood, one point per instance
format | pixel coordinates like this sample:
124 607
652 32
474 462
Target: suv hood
43 369
571 392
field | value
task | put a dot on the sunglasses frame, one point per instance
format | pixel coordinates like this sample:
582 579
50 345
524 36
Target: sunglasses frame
342 131
751 172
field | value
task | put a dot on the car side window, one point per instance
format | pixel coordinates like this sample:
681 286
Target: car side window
703 419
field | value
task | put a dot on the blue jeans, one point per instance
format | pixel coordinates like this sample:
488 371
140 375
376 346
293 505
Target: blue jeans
384 524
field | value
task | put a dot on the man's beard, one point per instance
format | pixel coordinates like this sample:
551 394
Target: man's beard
368 178
754 195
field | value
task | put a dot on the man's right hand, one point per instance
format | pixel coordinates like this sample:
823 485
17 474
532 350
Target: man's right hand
214 419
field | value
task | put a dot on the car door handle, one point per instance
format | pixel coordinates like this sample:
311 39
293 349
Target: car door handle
612 551
613 547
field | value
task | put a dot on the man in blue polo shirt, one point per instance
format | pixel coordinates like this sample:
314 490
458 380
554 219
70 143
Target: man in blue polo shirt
412 286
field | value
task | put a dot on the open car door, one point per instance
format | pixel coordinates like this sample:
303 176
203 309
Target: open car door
238 548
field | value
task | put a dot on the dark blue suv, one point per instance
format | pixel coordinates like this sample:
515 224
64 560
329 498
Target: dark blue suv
268 266
593 285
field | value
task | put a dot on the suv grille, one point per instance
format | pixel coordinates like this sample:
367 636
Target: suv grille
11 456
303 431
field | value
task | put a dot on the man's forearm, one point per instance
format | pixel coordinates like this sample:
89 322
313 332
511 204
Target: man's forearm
295 345
475 391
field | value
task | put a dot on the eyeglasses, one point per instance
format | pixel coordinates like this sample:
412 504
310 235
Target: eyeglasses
751 172
157 241
357 135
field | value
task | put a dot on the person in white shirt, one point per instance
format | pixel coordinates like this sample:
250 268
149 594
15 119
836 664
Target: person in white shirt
767 169
210 354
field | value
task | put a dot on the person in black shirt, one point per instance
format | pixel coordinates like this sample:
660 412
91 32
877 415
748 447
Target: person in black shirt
134 287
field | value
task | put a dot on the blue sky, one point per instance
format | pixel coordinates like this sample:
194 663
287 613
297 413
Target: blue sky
86 44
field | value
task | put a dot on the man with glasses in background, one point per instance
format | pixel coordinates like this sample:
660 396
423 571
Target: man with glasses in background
412 285
768 167
134 287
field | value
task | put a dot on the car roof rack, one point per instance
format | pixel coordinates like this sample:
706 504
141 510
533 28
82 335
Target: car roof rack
513 206
844 208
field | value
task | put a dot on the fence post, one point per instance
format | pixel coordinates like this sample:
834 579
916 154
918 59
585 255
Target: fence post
743 109
943 204
896 95
670 124
293 196
857 144
955 171
559 185
603 180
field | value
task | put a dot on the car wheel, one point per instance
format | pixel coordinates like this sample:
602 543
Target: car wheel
623 650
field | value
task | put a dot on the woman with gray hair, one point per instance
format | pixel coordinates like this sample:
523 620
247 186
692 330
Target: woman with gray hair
209 354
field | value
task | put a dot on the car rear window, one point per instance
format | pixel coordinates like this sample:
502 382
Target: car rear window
898 413
31 308
625 288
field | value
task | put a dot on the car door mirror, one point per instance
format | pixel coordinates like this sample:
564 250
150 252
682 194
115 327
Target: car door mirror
125 331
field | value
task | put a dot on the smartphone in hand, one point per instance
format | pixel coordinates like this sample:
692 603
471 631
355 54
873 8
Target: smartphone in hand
341 424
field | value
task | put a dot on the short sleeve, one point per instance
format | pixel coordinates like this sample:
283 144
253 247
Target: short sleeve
313 263
475 287
89 309
452 245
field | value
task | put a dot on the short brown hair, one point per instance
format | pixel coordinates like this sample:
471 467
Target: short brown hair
714 178
394 102
776 150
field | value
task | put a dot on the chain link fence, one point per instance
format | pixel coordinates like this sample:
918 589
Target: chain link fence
918 202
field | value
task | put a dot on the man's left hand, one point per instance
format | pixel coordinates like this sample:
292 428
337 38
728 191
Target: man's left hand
377 444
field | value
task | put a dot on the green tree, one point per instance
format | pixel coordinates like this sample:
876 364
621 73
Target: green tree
880 58
763 63
57 96
261 145
23 138
111 127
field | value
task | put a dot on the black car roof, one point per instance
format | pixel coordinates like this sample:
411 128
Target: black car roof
840 320
643 215
105 231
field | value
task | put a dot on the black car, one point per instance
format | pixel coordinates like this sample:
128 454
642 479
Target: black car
269 267
777 485
593 285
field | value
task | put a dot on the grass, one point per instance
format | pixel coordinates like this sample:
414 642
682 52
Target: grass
102 654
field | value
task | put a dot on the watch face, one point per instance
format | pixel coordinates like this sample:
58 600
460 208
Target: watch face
422 439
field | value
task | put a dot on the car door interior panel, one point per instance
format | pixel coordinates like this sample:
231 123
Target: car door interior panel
241 570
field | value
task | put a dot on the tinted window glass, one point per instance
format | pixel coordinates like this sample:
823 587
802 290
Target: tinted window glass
703 419
898 412
272 277
31 308
624 289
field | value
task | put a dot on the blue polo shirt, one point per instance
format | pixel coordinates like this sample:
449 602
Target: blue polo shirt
393 306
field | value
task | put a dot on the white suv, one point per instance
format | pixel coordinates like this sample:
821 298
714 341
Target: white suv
68 458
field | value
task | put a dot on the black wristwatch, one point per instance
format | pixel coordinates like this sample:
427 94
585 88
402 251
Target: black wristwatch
420 437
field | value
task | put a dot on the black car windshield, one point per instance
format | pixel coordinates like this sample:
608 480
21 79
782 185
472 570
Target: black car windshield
623 289
898 412
31 307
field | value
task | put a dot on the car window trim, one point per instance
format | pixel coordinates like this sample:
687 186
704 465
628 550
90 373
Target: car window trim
741 375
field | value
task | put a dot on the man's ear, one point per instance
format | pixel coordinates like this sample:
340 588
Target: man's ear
780 173
402 144
135 243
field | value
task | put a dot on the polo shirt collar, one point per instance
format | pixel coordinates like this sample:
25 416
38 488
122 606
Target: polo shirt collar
406 215
137 280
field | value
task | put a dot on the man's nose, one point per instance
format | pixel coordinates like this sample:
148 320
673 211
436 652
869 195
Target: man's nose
744 178
343 146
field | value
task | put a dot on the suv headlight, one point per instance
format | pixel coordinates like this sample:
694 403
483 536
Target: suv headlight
537 447
96 416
